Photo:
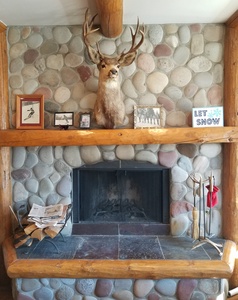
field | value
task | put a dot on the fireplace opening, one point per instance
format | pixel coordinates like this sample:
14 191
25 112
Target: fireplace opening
121 191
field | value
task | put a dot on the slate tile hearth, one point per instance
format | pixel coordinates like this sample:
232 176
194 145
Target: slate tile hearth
118 241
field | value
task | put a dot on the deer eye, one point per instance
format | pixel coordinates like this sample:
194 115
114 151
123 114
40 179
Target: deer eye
103 66
118 66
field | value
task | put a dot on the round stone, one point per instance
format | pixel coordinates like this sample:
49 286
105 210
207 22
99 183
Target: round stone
90 154
200 64
62 34
55 62
64 186
142 287
146 63
125 152
214 51
156 82
103 287
155 34
62 94
180 76
34 41
181 55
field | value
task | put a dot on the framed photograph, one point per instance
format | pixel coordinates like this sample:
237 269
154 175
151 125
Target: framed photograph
62 119
29 111
85 120
147 116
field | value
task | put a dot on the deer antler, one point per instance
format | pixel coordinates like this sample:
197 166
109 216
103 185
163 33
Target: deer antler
142 32
87 29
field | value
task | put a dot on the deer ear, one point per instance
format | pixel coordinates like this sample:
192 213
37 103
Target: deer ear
94 55
127 59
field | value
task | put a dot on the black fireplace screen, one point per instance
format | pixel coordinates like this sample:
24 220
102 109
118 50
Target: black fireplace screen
121 191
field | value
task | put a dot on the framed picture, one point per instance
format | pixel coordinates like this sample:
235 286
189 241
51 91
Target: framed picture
29 111
64 119
147 116
85 120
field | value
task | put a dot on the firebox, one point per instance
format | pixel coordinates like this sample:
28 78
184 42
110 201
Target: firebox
121 191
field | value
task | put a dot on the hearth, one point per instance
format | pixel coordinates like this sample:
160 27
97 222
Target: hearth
121 191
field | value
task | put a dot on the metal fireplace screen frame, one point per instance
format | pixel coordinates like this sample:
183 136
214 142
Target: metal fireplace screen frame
91 184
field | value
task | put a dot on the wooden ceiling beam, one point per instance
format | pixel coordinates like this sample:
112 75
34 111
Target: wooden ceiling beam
110 14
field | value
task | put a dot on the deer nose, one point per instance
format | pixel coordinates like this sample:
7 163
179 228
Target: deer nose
113 71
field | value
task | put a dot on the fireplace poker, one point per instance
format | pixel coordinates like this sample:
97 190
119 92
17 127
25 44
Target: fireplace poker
195 215
210 209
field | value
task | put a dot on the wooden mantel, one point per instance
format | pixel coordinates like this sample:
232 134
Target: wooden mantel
186 135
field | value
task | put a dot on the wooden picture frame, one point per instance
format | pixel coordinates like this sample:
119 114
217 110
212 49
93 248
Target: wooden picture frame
62 119
148 116
29 112
85 121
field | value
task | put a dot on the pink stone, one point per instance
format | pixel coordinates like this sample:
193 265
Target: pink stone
185 288
47 92
167 103
84 73
103 287
167 159
153 296
214 95
30 56
180 207
196 28
162 50
146 62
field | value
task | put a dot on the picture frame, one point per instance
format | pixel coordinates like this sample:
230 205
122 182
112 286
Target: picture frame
85 121
29 111
64 119
148 116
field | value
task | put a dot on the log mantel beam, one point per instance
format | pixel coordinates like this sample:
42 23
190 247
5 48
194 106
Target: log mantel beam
111 17
99 137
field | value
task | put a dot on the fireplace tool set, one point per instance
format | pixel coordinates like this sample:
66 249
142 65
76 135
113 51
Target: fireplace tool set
199 213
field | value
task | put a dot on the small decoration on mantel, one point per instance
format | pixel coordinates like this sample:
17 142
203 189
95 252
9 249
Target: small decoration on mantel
149 116
63 120
109 109
208 116
85 121
29 111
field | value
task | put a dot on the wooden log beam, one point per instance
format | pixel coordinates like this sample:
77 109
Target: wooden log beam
230 152
5 154
51 137
111 17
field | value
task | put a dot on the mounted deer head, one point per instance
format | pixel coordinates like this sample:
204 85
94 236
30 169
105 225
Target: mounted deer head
109 110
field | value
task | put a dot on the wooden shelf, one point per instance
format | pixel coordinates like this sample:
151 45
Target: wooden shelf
49 137
98 268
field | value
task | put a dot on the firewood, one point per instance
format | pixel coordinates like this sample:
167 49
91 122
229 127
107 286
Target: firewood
52 231
30 228
38 234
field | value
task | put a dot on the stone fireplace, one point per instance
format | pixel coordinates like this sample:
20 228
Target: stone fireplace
43 175
168 72
121 191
